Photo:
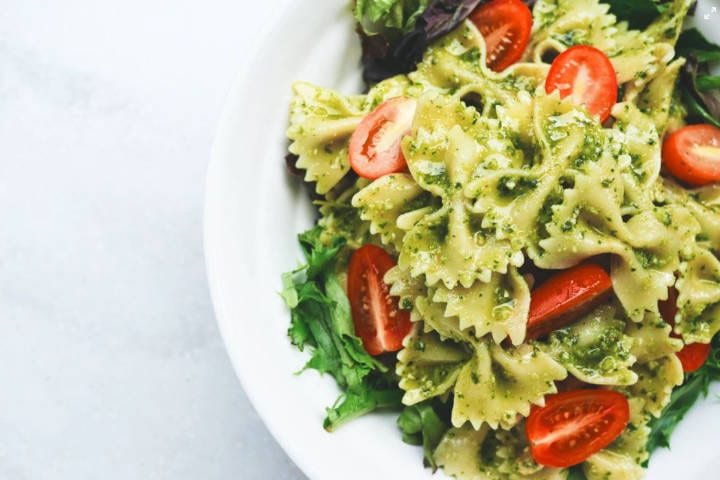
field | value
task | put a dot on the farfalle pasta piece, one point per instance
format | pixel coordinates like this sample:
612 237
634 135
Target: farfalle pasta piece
698 318
610 464
497 386
658 368
642 60
453 61
322 122
450 245
590 221
703 203
560 24
428 366
606 208
485 454
491 385
404 286
455 65
499 307
388 198
434 319
594 349
510 188
656 96
340 219
624 458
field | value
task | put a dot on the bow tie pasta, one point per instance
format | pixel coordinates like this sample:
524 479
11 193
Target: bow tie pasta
503 180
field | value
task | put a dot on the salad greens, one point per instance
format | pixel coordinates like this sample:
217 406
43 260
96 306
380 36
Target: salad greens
391 18
321 321
391 50
700 91
638 13
692 44
425 424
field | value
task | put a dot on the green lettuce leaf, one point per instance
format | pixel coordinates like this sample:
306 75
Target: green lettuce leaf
378 391
692 43
421 424
388 17
318 255
321 322
700 92
638 13
707 82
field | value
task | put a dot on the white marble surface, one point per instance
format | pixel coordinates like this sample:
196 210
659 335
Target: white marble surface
111 365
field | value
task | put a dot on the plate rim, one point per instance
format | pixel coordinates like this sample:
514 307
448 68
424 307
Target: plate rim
284 10
239 83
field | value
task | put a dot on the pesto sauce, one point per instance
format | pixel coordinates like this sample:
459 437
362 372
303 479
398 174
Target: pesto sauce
515 185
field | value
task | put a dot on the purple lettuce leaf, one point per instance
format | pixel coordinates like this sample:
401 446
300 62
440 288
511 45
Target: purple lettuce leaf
383 58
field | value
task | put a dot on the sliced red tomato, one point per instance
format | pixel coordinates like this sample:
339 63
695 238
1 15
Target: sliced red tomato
692 154
505 26
374 148
574 425
693 355
379 322
565 297
586 74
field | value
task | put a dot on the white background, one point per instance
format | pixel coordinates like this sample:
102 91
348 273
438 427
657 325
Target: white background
111 365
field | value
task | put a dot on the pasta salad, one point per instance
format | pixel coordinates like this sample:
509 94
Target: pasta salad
518 233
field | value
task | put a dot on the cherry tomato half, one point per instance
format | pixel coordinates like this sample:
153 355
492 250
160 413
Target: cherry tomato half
374 148
692 154
505 25
566 296
586 74
574 425
379 322
693 355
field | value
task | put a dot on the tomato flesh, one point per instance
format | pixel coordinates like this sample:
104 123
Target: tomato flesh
692 154
375 148
575 425
693 355
505 26
586 75
565 297
378 320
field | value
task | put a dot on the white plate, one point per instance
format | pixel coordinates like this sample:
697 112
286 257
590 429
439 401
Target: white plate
253 213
